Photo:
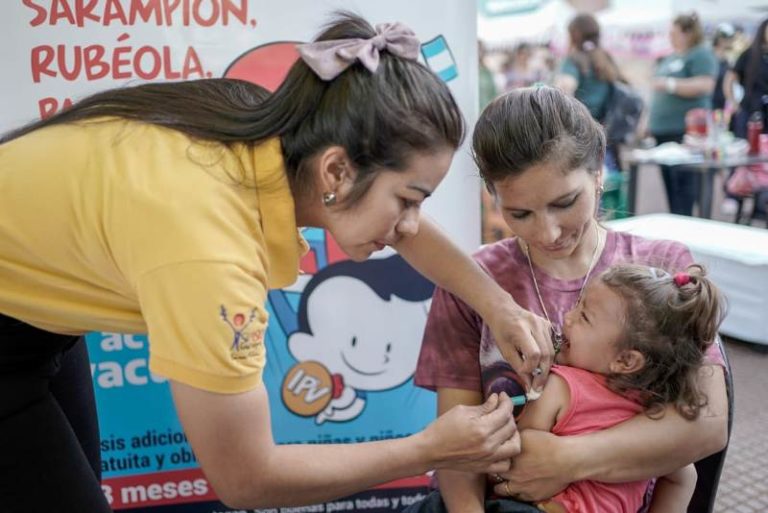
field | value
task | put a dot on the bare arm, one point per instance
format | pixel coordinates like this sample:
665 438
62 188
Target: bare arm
541 415
462 492
640 448
686 87
232 439
729 80
673 492
517 331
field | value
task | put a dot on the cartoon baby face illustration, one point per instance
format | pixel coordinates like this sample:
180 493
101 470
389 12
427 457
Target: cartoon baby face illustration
373 343
363 322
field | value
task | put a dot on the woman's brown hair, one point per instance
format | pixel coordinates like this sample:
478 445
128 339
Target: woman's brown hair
586 52
691 25
530 126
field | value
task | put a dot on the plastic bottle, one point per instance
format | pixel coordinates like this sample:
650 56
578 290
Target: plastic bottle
754 129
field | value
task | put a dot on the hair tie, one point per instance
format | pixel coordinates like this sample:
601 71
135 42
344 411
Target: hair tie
328 59
682 279
658 274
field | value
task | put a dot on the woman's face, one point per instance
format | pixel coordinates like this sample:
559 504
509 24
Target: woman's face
678 38
390 209
549 209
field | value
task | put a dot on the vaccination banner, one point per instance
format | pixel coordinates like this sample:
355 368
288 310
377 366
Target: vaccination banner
343 340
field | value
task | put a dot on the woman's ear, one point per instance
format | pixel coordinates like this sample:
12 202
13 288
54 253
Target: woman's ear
334 170
627 362
599 185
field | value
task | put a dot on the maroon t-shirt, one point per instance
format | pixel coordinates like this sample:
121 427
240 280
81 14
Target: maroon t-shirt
458 350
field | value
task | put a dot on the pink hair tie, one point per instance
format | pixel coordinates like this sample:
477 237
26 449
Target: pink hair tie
682 279
328 59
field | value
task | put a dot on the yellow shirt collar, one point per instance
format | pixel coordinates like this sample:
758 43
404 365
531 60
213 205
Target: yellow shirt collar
284 244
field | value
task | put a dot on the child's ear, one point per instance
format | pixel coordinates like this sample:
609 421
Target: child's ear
627 362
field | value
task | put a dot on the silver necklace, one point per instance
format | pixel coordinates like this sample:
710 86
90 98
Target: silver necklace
557 334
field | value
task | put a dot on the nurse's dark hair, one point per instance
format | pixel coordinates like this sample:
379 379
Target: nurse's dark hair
380 119
535 125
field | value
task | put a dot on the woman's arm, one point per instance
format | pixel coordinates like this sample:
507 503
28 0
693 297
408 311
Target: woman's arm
673 492
685 87
462 492
523 338
640 448
541 415
232 439
729 80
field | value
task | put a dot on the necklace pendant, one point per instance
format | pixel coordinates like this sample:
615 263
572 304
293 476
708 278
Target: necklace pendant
557 339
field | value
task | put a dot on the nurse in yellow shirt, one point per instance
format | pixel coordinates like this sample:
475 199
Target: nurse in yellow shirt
171 209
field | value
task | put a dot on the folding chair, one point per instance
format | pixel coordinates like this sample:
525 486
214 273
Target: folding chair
710 468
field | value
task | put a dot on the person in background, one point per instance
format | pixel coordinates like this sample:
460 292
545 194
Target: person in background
486 82
751 73
518 71
588 73
684 80
544 62
722 45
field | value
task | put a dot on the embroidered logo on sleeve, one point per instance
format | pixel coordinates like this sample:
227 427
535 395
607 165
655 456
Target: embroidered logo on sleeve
247 342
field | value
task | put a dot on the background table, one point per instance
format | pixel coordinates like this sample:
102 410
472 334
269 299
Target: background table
695 164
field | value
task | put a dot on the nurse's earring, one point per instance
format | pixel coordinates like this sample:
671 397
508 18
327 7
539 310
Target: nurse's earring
329 199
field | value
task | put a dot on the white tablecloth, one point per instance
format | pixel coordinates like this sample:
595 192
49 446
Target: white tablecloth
736 258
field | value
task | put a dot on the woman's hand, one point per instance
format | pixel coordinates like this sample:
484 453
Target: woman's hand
524 340
476 439
540 471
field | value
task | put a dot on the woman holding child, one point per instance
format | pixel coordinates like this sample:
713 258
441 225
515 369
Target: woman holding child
541 154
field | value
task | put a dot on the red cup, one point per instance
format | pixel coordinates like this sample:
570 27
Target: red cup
764 144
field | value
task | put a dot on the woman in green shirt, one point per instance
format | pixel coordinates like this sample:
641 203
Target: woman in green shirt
684 80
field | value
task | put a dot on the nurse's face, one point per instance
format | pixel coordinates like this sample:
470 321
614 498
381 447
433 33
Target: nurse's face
390 209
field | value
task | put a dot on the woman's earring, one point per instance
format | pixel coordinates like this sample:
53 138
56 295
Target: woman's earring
600 188
329 199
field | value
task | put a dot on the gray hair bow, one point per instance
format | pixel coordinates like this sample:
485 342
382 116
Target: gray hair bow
328 59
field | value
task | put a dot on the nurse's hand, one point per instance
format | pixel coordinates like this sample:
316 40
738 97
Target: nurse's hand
477 439
524 340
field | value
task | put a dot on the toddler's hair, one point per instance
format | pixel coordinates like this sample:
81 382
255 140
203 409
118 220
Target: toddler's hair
671 320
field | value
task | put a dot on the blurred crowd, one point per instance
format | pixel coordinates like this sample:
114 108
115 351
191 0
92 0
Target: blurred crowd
722 71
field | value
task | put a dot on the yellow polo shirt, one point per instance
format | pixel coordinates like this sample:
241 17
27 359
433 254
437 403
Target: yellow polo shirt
121 226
